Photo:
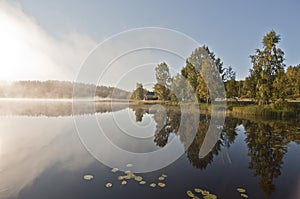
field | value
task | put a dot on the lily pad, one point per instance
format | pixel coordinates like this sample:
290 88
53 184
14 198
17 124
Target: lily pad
114 170
131 175
129 165
161 184
197 190
88 177
190 194
142 182
161 178
108 185
210 196
244 195
205 193
241 190
127 172
152 185
127 177
124 182
138 178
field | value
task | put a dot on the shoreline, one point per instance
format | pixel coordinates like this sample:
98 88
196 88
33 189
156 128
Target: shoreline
238 108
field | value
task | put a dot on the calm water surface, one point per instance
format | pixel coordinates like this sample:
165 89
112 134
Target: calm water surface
42 155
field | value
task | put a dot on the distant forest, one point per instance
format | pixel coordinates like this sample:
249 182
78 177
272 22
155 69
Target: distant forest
57 89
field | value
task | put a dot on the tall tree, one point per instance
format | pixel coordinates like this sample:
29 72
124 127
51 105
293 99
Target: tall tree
231 88
228 74
280 89
249 88
293 78
190 74
201 70
267 64
163 78
138 93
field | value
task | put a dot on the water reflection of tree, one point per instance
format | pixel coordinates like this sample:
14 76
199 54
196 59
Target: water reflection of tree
266 140
169 122
139 113
267 144
226 139
166 123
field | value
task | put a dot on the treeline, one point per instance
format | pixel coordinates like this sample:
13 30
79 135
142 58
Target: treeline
57 89
202 68
268 82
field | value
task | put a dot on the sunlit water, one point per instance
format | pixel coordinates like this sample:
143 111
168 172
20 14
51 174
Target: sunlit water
42 155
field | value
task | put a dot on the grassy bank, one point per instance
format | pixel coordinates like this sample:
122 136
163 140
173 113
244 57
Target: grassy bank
247 109
292 110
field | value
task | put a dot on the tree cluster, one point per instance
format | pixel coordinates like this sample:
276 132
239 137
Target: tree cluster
268 82
57 89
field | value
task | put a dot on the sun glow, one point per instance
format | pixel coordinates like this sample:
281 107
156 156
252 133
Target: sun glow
12 49
18 49
28 52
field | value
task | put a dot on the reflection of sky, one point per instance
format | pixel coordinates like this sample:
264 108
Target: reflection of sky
30 145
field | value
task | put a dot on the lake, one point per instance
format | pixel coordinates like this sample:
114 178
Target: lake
46 149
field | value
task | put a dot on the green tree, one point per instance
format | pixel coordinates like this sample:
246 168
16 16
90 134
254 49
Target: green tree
212 80
138 93
267 64
181 89
228 74
163 78
190 74
249 88
204 70
293 78
280 89
231 88
202 90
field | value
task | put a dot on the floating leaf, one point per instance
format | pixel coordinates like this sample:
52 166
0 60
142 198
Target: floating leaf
152 185
142 182
197 190
88 177
161 184
124 182
205 192
121 177
190 194
244 195
127 177
161 178
241 190
127 172
164 175
129 165
210 196
131 175
114 170
138 178
108 185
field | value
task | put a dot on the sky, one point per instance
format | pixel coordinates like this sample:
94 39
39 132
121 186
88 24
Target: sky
51 39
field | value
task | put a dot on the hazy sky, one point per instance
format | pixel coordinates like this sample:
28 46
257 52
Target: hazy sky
50 39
